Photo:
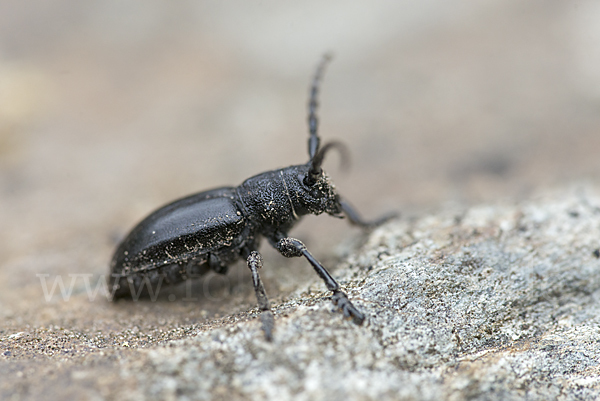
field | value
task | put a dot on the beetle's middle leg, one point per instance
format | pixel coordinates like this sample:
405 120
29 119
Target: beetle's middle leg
290 247
216 264
254 261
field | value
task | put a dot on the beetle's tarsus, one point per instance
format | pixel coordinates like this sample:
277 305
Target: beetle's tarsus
340 299
254 263
268 324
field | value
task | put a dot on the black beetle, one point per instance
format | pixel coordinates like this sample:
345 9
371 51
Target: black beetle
212 229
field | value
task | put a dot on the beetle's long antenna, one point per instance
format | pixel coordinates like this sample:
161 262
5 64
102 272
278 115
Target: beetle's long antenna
313 121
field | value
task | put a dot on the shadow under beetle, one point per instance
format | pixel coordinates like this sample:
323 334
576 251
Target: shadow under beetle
212 229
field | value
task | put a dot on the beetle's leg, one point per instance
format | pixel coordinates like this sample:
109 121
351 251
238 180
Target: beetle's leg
355 218
216 265
291 247
254 263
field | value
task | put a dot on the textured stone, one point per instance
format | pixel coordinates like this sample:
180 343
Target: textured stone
495 302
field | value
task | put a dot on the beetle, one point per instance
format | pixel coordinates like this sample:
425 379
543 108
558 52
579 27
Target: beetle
212 229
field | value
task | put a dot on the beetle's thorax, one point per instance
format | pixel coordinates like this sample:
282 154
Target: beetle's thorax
280 197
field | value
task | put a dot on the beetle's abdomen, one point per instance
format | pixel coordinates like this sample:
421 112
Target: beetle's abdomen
183 234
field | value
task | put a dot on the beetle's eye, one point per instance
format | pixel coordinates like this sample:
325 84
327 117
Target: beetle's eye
312 176
308 180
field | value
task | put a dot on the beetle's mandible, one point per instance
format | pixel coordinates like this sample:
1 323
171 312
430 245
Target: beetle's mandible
212 229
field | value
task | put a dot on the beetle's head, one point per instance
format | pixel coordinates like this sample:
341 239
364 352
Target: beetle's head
314 192
318 197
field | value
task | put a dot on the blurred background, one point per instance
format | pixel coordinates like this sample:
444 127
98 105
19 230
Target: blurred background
109 109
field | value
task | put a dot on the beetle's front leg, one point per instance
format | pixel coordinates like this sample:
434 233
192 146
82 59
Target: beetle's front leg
355 218
254 263
291 247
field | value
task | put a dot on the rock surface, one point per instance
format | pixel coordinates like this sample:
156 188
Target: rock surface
493 302
497 302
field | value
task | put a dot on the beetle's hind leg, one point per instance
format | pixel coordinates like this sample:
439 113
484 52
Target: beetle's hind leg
291 247
355 218
254 263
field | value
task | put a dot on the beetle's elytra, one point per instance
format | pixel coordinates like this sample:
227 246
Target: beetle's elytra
212 229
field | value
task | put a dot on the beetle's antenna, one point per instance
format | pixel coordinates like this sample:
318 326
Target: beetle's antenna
315 164
313 121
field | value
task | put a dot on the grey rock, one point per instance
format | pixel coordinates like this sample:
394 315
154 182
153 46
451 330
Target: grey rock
492 302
